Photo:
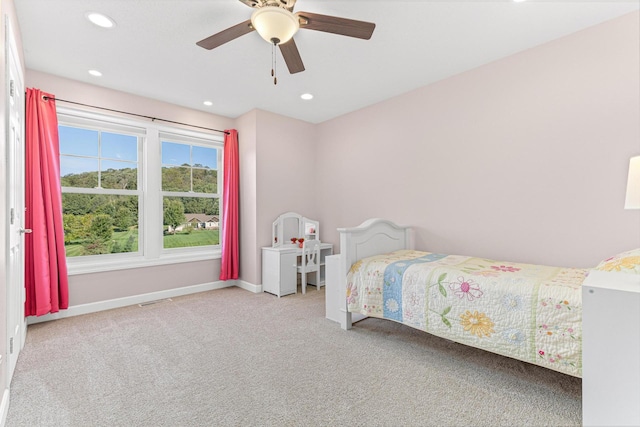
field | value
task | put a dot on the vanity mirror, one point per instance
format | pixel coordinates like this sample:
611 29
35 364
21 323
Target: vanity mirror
291 225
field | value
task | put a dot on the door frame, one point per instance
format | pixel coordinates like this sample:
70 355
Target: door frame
15 189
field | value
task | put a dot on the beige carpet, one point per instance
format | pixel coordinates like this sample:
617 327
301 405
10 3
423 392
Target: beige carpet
232 358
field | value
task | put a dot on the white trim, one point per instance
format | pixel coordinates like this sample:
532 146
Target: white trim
79 118
256 289
4 407
94 307
126 261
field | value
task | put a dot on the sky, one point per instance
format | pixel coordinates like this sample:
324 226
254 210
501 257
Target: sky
82 149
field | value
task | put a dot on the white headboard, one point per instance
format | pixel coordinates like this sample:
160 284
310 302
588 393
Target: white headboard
373 237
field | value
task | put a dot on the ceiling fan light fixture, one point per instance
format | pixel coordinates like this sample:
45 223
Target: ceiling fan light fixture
275 24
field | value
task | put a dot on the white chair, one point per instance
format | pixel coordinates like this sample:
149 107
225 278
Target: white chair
310 262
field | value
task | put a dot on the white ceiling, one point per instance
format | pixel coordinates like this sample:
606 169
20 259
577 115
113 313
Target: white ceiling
152 52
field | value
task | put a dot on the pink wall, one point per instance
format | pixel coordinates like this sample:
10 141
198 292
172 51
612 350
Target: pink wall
89 288
97 287
524 159
73 90
247 140
277 175
286 170
285 180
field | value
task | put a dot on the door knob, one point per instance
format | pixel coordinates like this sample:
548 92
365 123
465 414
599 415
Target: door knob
26 231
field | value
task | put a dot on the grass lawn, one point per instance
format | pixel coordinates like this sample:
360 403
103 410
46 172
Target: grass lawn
73 249
195 238
178 240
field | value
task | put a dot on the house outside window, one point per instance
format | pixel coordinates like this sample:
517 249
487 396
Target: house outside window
136 193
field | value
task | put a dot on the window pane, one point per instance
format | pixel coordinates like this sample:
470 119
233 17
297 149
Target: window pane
190 221
205 181
175 154
118 146
81 142
99 224
176 179
78 172
205 157
119 175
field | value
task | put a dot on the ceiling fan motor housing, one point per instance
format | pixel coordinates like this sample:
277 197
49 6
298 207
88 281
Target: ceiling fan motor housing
275 24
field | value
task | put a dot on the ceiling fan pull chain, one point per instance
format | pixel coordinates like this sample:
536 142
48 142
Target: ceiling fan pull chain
273 61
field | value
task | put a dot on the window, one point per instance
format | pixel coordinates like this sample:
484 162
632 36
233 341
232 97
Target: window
100 199
136 193
191 213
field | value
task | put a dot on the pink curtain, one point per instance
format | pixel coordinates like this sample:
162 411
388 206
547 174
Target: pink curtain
46 281
229 267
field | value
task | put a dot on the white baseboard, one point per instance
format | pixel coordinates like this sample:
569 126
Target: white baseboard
4 407
94 307
256 289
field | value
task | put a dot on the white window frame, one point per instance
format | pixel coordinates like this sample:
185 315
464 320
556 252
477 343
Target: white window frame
197 142
150 207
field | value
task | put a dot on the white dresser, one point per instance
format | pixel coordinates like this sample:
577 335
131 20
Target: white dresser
279 274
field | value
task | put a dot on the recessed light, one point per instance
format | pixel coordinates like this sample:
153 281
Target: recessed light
100 20
95 73
306 96
208 103
519 1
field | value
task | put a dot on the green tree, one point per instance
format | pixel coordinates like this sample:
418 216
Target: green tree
176 178
76 204
84 180
76 227
128 247
173 212
205 180
200 205
102 228
123 218
122 179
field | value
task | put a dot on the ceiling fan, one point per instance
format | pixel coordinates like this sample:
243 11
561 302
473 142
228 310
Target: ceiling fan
276 23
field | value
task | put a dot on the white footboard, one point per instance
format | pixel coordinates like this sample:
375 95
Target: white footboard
372 237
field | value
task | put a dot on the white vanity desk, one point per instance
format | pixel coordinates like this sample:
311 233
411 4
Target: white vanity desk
280 261
279 274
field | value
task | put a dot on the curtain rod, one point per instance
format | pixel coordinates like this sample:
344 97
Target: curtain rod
133 114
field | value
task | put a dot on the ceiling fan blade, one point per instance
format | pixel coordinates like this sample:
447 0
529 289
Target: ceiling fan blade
227 35
292 57
335 25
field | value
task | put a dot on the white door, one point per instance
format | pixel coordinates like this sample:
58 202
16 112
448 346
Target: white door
16 325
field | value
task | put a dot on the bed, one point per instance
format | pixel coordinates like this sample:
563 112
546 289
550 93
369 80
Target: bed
527 312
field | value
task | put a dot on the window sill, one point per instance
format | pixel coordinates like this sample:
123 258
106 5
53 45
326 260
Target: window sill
77 267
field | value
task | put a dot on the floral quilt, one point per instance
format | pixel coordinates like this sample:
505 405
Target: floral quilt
527 312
